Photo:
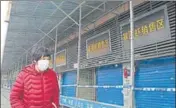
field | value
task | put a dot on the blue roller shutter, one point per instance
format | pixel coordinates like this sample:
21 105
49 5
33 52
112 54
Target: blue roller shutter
68 84
155 83
112 76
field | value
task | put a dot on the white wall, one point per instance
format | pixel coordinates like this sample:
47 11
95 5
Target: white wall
5 14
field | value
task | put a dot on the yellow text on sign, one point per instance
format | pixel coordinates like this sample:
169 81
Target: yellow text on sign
145 29
98 46
60 59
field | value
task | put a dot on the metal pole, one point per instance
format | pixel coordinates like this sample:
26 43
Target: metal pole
14 72
10 77
79 51
55 50
21 63
6 79
26 58
132 53
18 66
10 81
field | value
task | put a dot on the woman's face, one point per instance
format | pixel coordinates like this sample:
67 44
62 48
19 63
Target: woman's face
43 63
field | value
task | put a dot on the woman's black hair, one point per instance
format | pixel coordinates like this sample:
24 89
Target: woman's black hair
41 52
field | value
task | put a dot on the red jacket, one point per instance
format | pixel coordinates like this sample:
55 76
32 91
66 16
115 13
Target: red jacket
35 90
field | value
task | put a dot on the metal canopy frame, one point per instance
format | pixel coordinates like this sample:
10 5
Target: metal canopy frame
58 7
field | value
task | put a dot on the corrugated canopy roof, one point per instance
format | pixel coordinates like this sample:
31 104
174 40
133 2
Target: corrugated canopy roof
32 20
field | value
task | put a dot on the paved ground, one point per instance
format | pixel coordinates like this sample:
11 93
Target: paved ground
5 103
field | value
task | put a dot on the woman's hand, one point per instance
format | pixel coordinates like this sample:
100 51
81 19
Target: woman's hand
54 105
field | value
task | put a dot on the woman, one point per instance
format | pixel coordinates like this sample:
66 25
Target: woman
36 86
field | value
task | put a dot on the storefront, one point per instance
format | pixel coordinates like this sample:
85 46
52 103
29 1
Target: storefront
104 76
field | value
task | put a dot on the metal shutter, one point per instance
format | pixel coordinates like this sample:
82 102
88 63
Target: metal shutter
109 81
68 84
155 83
86 83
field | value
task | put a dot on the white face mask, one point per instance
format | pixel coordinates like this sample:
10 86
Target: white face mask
43 65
